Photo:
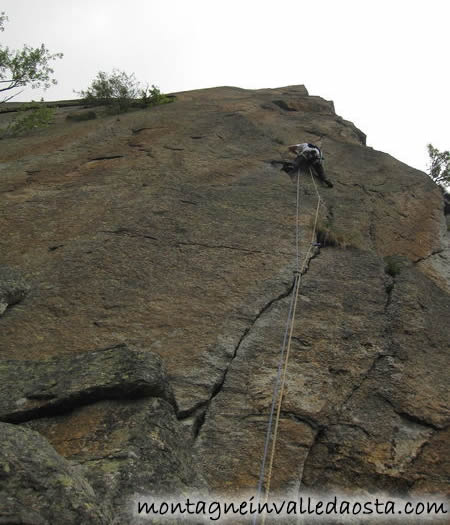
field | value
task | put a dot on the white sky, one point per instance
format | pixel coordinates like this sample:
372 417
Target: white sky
383 63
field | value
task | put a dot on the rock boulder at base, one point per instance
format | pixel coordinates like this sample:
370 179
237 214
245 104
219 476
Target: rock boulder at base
128 448
39 487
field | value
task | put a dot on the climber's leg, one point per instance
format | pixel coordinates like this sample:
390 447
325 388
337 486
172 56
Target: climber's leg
320 173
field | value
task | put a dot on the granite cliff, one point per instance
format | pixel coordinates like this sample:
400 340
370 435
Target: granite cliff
146 267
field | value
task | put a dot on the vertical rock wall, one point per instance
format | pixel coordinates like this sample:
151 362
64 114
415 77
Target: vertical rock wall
170 231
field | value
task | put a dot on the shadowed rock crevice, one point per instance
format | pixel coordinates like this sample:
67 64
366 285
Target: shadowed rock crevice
412 417
388 346
36 389
283 105
316 438
389 287
107 157
220 384
217 388
301 418
219 246
130 233
436 252
362 379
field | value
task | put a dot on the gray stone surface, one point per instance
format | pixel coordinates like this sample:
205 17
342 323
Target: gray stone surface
30 389
39 487
126 448
13 287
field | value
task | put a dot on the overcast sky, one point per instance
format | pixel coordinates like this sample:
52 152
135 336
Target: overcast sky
383 63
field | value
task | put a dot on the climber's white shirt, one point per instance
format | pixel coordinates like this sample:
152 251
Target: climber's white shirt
304 147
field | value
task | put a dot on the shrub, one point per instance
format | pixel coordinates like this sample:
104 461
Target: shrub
35 116
116 90
120 92
153 96
328 235
393 266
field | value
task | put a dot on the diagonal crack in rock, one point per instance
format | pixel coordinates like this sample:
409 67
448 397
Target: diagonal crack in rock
217 388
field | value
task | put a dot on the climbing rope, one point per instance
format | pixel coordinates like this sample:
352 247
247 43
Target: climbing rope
280 380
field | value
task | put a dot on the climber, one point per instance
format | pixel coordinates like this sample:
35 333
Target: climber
308 157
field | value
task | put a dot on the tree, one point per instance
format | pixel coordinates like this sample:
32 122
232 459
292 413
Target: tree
27 66
439 166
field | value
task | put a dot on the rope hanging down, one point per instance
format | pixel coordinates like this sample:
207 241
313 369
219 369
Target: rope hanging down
280 380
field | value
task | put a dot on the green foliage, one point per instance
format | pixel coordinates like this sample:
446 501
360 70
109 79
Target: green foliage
34 116
116 90
28 66
393 265
153 96
328 235
120 92
439 167
3 19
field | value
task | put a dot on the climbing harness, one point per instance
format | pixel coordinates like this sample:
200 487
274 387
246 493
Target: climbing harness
280 379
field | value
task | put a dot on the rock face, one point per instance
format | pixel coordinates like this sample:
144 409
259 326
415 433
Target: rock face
13 288
32 389
39 486
170 232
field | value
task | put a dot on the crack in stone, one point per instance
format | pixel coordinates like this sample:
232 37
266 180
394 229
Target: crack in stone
110 457
173 148
353 425
318 434
389 290
420 450
404 415
135 131
436 252
226 247
217 388
319 431
189 412
363 378
410 417
372 225
197 413
80 399
301 419
108 157
130 233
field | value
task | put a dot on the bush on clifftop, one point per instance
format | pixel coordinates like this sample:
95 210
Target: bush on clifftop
120 92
